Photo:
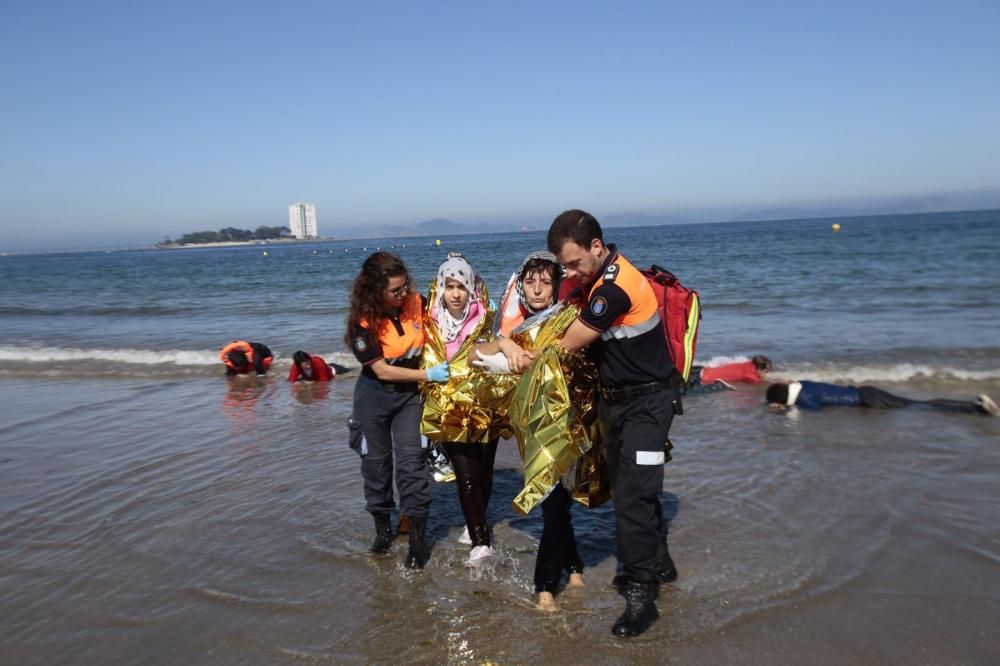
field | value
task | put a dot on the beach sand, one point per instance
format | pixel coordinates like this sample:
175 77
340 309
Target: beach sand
200 521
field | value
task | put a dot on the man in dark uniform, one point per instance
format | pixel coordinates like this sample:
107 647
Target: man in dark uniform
636 405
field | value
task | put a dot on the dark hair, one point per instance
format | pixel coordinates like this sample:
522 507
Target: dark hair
546 267
301 357
539 265
573 225
762 363
237 358
777 393
368 290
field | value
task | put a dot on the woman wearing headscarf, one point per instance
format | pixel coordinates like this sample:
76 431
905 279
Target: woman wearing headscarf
458 310
385 331
533 289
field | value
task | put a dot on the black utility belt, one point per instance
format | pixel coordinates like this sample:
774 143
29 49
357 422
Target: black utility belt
399 387
391 387
634 391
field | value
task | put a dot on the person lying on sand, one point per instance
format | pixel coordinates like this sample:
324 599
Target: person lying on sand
816 395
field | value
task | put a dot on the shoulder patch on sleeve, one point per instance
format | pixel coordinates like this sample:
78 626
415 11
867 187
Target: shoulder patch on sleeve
598 306
360 344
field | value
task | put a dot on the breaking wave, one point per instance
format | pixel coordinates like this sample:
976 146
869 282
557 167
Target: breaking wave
33 360
865 373
98 310
897 374
74 361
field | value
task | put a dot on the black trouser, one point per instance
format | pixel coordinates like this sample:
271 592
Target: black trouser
390 421
473 465
557 548
694 386
260 352
636 430
876 397
693 382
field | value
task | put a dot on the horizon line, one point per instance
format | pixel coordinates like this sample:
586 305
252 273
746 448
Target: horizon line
329 239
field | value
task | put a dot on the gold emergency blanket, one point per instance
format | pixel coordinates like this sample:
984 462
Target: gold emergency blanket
463 408
552 413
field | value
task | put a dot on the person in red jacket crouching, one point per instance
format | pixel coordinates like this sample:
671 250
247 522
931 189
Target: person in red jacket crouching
721 377
310 368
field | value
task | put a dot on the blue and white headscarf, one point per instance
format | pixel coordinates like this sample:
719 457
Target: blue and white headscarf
556 279
457 267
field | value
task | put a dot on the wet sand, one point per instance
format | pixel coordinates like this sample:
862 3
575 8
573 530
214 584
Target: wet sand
195 521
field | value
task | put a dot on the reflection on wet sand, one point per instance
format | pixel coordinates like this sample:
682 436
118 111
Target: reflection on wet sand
149 541
310 392
239 405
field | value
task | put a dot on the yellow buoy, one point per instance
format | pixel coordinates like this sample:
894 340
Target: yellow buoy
265 253
835 227
437 243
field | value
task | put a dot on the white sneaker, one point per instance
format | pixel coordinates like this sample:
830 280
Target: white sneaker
478 555
441 469
990 407
464 536
444 474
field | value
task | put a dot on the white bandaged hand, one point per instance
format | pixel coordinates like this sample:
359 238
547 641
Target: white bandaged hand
495 363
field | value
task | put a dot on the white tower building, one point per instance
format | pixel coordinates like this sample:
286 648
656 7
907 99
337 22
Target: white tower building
302 220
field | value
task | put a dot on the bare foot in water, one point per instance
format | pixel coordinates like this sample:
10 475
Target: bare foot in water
575 580
546 602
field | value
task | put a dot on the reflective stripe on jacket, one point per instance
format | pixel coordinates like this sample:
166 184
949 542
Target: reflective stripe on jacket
644 314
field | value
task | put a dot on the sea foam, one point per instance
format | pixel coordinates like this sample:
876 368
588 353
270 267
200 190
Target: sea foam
78 361
865 373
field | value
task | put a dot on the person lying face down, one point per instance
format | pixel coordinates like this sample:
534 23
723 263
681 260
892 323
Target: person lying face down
816 395
748 372
310 368
705 379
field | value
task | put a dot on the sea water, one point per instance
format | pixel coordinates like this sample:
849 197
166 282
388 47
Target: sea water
152 511
886 298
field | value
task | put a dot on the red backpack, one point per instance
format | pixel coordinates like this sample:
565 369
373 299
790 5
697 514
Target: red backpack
680 314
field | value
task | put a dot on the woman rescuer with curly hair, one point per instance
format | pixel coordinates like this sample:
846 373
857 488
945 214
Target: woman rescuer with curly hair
385 333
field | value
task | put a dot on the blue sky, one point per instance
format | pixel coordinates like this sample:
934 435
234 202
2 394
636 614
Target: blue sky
126 121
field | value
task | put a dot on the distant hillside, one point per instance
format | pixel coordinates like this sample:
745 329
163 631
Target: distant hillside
927 203
435 227
791 214
635 219
443 226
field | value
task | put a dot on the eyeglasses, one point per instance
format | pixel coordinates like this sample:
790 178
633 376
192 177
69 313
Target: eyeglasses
399 291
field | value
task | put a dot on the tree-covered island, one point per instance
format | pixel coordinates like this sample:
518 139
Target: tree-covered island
231 235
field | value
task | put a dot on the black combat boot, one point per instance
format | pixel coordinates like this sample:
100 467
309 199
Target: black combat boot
383 534
416 558
666 572
640 610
